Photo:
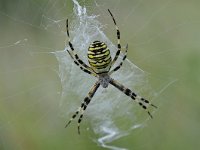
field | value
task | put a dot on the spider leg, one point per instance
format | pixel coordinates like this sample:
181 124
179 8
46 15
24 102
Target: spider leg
84 105
118 40
75 56
121 63
141 101
81 67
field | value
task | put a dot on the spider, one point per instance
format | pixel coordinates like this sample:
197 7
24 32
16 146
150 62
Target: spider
101 63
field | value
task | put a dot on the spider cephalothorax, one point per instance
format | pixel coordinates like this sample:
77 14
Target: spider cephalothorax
101 63
104 80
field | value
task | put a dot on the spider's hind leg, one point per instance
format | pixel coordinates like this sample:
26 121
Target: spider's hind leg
118 40
83 66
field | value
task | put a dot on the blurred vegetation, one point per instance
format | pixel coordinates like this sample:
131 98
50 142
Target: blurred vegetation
163 38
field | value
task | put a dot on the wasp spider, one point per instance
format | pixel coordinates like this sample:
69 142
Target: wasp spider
101 63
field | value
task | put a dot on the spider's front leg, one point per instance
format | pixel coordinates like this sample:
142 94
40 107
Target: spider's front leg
141 101
84 105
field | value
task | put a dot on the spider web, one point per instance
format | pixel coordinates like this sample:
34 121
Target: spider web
108 105
111 115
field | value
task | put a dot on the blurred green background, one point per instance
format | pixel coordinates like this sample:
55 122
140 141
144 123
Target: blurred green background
164 40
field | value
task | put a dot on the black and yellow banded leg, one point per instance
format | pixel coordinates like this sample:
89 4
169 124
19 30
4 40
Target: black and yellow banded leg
74 55
84 105
141 101
121 63
118 40
82 68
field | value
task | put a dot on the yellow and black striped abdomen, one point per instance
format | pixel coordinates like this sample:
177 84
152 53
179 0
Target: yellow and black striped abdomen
99 57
